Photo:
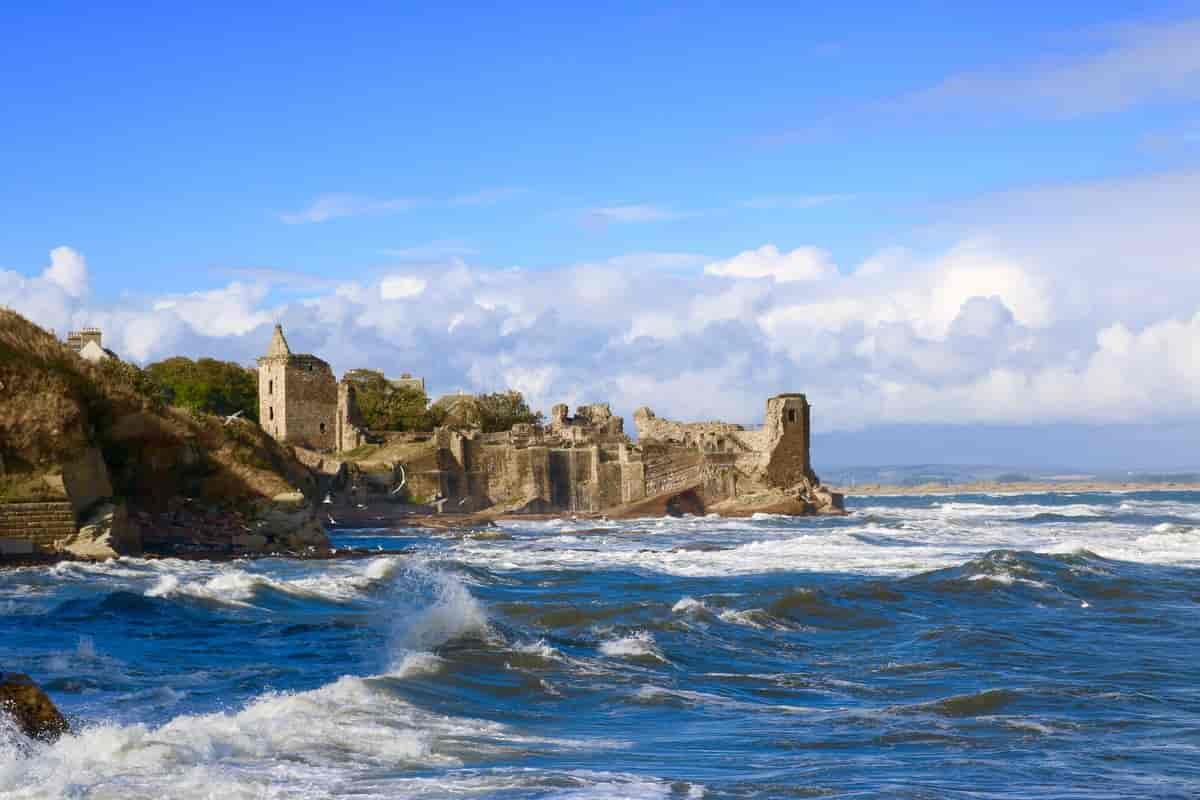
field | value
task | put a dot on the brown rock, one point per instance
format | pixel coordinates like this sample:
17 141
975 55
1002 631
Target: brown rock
33 711
106 533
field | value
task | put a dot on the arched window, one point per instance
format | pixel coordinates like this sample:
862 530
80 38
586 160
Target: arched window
322 427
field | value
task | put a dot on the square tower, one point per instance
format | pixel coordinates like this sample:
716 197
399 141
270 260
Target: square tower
297 396
787 428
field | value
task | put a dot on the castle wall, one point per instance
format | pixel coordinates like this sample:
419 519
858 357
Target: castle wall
272 397
583 463
311 403
350 432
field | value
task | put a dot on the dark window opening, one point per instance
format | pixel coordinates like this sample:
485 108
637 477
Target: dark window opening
791 415
270 387
322 427
270 413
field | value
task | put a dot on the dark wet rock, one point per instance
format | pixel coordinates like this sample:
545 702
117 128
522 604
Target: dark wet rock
34 712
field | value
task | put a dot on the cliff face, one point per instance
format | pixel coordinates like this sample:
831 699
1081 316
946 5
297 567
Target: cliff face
96 435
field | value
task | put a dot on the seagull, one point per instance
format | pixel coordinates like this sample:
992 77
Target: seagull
332 521
236 415
327 499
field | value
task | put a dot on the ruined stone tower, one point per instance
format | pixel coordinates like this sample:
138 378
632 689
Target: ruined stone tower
787 435
297 396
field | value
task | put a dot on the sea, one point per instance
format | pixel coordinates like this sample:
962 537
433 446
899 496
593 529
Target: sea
941 646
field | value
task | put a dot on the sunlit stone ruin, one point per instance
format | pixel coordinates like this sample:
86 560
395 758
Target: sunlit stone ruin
301 403
580 463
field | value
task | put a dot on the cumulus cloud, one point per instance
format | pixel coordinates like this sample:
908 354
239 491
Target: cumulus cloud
1054 305
401 287
68 271
52 297
801 264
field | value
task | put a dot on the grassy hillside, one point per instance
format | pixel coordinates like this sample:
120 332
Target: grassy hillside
54 405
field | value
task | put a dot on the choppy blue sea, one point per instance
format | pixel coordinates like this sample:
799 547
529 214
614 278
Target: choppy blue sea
963 646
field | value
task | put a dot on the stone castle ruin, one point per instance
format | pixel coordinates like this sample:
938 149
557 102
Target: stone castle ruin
586 463
301 403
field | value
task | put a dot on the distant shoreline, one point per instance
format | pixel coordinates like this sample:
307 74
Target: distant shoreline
1022 487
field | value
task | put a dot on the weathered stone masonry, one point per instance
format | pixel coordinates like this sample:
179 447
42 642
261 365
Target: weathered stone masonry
586 463
300 402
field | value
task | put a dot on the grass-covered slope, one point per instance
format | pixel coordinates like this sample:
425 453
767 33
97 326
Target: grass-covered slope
54 406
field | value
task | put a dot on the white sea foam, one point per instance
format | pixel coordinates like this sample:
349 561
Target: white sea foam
303 744
636 645
230 584
277 745
689 605
453 612
892 540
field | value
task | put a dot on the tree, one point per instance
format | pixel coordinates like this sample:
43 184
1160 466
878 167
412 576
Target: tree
387 407
208 385
499 411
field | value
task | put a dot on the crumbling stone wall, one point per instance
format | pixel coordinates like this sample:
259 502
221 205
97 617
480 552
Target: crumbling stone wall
728 460
586 463
351 430
311 403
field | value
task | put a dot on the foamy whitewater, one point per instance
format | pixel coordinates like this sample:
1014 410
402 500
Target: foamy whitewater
943 646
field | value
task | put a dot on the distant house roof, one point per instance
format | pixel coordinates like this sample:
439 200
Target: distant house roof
93 352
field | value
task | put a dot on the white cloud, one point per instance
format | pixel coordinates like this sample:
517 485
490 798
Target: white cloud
1136 65
1074 303
401 287
622 215
437 250
340 204
68 271
229 311
801 264
794 202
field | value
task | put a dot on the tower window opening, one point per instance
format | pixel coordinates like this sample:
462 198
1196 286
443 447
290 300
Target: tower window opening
322 427
270 387
791 415
270 413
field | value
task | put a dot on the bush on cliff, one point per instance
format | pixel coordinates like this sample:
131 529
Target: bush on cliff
387 407
499 411
208 385
494 412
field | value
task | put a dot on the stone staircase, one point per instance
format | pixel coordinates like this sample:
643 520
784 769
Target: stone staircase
33 527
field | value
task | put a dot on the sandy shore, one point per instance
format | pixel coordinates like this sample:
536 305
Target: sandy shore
1027 487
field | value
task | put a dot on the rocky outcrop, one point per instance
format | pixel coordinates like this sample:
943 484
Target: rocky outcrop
287 521
107 532
35 714
86 481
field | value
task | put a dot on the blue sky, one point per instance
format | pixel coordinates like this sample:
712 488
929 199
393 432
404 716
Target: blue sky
576 188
